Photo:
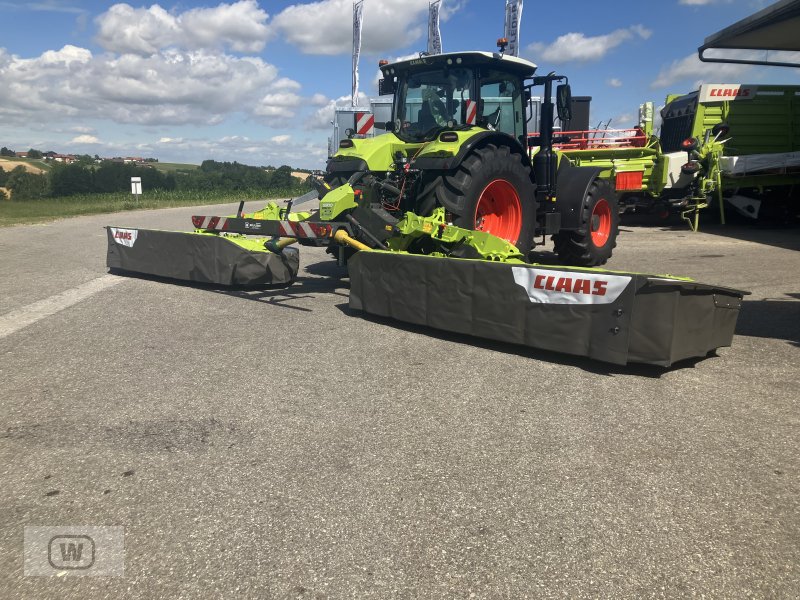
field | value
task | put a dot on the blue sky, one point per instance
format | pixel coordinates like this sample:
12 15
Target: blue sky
256 81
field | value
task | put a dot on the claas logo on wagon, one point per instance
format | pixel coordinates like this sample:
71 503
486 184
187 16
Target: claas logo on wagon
730 92
726 92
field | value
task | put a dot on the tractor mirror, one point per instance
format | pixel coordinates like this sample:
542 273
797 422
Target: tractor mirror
564 103
386 87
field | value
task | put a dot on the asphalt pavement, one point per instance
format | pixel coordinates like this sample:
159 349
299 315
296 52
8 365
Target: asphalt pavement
276 444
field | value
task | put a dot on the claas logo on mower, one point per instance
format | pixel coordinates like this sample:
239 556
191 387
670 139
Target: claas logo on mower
572 286
122 235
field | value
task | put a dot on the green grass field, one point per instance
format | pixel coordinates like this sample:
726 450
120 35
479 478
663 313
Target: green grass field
48 209
171 167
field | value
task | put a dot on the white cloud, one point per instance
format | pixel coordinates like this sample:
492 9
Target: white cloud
322 117
171 87
614 82
282 104
692 70
326 26
582 48
280 139
85 139
240 26
642 31
624 120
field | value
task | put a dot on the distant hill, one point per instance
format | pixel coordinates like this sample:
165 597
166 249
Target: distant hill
31 165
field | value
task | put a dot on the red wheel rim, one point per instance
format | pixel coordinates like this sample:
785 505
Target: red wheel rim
601 223
499 211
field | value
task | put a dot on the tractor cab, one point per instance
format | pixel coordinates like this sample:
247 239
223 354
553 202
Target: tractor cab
457 91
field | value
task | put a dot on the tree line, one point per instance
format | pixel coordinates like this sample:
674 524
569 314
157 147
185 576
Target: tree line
64 180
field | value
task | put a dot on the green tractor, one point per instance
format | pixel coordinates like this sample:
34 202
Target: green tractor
458 142
455 155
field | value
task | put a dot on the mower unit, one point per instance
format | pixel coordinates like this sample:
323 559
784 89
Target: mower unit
199 257
610 316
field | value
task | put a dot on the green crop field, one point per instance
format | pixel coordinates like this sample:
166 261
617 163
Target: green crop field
171 167
48 209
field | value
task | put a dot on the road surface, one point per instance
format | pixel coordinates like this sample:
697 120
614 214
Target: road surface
275 444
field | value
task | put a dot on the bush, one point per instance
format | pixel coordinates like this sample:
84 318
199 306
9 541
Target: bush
27 186
66 180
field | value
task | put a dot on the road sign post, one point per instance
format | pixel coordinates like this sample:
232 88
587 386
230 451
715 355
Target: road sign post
136 187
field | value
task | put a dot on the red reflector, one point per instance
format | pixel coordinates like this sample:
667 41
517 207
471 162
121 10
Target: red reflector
631 180
197 222
320 230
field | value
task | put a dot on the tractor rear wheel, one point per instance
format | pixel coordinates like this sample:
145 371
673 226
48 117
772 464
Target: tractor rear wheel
491 191
591 245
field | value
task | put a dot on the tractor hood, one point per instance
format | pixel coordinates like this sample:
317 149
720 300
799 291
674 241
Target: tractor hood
377 154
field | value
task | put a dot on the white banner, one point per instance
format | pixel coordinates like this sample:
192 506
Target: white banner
358 9
434 33
513 19
124 237
725 92
569 287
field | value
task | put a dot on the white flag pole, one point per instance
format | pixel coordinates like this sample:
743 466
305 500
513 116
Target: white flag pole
358 8
434 33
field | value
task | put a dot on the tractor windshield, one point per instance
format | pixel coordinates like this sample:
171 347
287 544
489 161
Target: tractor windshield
430 101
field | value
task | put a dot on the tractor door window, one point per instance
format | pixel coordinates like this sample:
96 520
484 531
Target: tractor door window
434 99
501 104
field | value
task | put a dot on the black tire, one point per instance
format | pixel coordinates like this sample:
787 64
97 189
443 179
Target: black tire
581 247
460 191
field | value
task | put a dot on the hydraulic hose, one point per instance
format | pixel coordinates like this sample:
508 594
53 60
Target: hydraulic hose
342 237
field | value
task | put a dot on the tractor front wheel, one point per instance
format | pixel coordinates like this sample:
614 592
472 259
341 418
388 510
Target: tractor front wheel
591 244
490 191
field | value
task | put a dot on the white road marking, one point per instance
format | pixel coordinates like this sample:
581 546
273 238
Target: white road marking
20 318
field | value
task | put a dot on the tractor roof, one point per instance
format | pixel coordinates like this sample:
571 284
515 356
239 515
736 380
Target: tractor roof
520 66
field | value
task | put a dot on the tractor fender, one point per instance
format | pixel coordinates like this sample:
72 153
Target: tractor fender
446 163
572 184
